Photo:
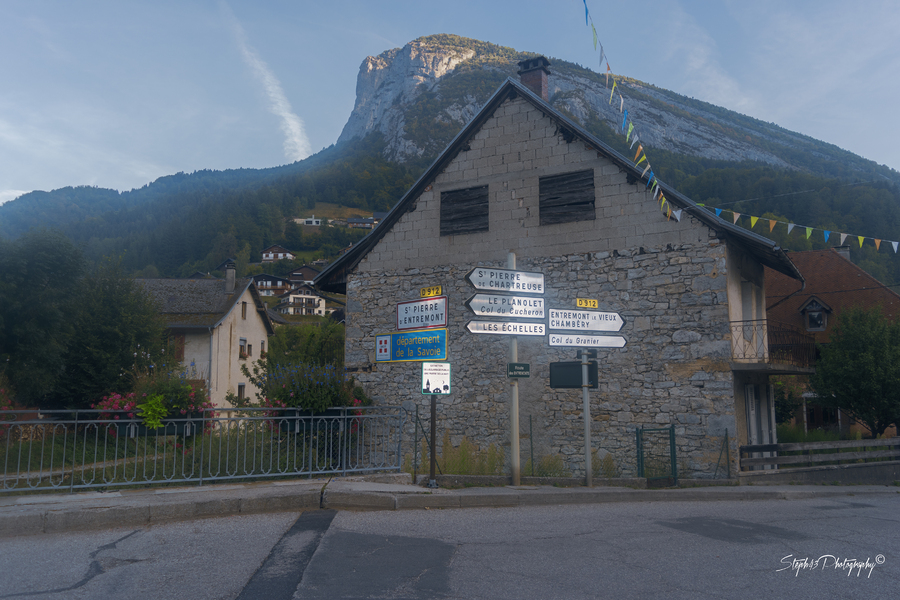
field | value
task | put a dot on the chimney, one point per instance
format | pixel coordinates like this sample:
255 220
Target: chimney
533 73
843 251
229 278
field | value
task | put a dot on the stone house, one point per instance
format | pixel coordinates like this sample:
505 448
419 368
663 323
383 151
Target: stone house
218 325
832 284
522 183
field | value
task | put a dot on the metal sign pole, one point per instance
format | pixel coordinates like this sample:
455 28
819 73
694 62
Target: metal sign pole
515 467
585 397
432 480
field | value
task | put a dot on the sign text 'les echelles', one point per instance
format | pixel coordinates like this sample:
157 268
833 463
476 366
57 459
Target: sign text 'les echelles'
506 280
587 320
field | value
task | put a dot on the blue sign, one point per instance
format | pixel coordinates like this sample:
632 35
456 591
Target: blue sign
421 344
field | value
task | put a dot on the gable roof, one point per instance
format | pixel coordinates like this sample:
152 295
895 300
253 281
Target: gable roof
199 303
334 277
834 280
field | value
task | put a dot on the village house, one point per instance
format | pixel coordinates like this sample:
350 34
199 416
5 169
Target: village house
218 325
276 252
832 284
525 195
302 300
272 285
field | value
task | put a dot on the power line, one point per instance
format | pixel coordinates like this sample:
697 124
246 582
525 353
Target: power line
788 194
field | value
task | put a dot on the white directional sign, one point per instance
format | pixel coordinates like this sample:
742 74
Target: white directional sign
586 320
506 280
421 314
587 341
506 328
506 306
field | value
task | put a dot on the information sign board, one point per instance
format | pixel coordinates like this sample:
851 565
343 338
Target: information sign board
586 303
518 370
506 328
585 320
506 280
495 305
418 345
421 314
435 378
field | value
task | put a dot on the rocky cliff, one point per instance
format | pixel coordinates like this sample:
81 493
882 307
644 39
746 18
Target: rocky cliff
419 96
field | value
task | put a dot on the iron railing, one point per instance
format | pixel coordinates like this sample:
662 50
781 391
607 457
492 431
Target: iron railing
773 343
70 451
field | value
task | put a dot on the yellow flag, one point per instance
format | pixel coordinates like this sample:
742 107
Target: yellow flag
861 238
643 158
753 221
808 232
613 91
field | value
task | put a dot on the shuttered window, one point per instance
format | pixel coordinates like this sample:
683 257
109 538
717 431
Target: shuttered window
464 211
567 197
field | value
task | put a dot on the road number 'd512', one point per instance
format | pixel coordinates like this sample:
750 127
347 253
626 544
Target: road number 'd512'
586 303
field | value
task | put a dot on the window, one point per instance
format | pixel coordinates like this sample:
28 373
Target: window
464 211
815 321
567 197
242 391
243 310
242 348
249 349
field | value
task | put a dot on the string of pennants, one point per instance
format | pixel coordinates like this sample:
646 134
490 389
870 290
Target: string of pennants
628 129
736 216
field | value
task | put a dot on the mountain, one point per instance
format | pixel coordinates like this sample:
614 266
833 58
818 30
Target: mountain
410 103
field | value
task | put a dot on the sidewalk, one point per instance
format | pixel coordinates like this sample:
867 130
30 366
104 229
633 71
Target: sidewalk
54 513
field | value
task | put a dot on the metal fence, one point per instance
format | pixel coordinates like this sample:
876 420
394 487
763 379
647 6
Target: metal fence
770 342
63 450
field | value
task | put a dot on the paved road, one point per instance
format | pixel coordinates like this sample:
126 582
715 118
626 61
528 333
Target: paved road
626 550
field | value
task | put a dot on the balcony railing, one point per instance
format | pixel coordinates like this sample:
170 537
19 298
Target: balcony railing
768 342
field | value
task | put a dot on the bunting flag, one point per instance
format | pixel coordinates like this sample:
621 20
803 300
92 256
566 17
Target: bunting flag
621 102
843 237
718 212
585 13
602 53
633 142
643 158
640 149
808 232
647 168
737 216
753 221
630 129
624 120
669 213
650 179
607 78
790 227
677 215
827 233
595 38
861 238
894 244
772 224
613 89
877 243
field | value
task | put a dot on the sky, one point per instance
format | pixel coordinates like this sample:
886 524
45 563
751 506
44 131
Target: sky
116 93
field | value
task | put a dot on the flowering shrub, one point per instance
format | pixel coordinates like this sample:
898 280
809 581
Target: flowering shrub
302 385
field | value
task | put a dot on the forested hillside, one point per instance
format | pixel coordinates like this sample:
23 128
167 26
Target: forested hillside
411 102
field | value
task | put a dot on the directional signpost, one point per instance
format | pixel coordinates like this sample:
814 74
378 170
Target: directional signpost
420 314
506 328
506 280
585 323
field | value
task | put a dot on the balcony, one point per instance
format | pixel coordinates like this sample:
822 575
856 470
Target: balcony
779 346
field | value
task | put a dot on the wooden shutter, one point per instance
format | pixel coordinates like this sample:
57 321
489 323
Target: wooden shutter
567 197
464 211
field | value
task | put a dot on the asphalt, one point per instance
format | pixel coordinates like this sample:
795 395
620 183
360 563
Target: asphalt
53 513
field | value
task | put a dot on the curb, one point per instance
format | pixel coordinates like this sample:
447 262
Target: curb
32 515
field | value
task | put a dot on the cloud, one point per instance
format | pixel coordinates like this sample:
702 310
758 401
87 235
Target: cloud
296 143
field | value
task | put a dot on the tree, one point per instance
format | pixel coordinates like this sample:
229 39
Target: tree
859 370
117 333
